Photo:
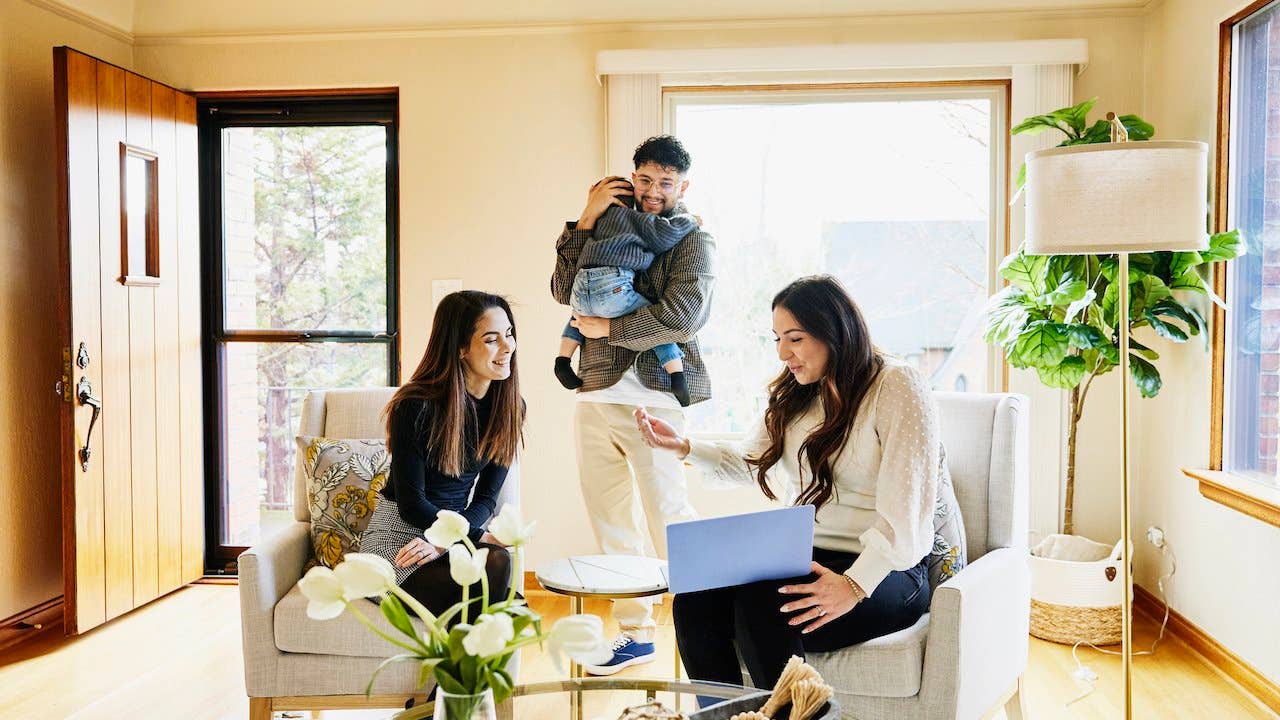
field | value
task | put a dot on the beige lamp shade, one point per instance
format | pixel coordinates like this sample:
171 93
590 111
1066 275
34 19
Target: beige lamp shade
1117 197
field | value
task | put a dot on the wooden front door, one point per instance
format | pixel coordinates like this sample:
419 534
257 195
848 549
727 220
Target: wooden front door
132 488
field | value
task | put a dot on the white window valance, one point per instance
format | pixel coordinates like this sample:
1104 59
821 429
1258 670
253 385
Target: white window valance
853 56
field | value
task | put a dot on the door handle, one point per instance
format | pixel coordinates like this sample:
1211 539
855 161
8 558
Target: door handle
84 392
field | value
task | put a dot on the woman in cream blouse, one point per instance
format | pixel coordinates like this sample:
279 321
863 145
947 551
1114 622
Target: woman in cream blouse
852 432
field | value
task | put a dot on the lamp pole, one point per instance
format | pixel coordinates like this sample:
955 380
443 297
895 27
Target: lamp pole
1119 134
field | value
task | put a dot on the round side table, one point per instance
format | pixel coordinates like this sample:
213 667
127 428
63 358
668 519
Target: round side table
610 577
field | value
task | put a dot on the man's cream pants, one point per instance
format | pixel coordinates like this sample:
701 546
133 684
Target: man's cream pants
613 464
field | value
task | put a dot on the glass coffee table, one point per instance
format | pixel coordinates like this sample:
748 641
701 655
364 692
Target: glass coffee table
602 698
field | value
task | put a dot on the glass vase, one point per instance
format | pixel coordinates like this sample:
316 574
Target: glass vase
465 707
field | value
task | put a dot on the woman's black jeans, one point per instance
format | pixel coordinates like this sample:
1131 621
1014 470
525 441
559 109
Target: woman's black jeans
710 623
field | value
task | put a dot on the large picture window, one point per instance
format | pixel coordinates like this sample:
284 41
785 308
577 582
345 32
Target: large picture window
897 191
300 220
1251 395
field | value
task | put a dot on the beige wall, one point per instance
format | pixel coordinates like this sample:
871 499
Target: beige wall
1225 582
30 535
500 137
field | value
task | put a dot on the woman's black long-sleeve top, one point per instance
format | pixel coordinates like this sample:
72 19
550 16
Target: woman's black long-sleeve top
416 484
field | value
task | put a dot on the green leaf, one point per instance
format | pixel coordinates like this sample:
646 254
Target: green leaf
1025 271
1076 116
1224 246
1140 265
1165 329
1086 337
1061 268
393 610
453 611
1080 305
1066 374
449 683
1187 314
1180 262
1150 290
500 682
425 668
1070 120
1141 349
1021 179
1006 315
1038 124
1190 280
456 651
1099 132
1065 293
468 671
1137 128
1145 376
1110 297
368 688
1042 344
520 622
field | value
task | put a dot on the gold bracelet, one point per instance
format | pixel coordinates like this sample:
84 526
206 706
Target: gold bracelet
858 593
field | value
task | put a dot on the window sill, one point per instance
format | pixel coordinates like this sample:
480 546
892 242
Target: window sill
1238 493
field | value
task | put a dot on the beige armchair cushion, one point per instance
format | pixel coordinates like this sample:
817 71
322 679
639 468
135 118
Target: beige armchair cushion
343 635
887 666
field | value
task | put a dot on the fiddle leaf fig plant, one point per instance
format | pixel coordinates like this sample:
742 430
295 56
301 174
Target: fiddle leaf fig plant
1058 315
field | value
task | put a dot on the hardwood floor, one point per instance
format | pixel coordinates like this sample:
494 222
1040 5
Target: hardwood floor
180 658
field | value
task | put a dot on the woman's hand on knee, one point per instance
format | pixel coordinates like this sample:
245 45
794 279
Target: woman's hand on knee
416 552
821 601
489 539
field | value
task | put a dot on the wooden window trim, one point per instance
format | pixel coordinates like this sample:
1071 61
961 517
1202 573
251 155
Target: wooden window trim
151 245
361 106
1232 490
1239 493
1222 173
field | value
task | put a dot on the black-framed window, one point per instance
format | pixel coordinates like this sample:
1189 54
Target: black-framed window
299 203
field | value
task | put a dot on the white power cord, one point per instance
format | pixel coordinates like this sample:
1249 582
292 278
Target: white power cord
1084 676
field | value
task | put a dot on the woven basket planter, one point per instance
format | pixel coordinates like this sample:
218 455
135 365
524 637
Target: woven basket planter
1076 591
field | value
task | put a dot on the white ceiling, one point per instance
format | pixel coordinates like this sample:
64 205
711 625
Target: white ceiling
187 17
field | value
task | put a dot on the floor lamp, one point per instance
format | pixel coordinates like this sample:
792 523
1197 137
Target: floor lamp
1119 197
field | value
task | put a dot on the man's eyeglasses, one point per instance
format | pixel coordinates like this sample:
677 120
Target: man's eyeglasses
666 187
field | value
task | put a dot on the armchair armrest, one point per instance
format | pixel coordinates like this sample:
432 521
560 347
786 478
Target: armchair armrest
977 646
268 571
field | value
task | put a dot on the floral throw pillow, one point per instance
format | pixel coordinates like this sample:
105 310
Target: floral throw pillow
949 555
343 480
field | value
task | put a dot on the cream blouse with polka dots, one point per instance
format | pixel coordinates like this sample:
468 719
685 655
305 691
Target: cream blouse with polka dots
886 476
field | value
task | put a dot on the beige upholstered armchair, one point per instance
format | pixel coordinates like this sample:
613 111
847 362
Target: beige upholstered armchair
290 661
967 654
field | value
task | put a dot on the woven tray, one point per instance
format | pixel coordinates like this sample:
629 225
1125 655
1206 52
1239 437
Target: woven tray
729 708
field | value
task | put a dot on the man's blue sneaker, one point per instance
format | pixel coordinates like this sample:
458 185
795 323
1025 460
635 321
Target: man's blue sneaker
626 652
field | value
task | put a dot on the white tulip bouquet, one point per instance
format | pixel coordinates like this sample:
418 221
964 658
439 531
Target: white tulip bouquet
472 656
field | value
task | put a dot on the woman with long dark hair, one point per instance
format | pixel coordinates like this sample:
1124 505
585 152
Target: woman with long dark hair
453 430
852 432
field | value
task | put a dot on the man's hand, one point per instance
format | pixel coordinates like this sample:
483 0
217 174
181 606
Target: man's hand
592 327
604 193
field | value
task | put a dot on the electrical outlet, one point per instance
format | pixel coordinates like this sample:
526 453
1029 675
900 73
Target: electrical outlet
1155 536
442 287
